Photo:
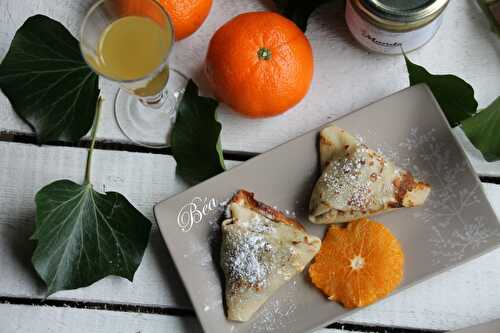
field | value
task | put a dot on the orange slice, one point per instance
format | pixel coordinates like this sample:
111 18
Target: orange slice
358 264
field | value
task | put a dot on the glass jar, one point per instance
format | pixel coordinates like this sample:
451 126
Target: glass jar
393 26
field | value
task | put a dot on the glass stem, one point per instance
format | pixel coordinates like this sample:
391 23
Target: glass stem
155 101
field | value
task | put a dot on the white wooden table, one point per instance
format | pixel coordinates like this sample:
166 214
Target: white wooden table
346 78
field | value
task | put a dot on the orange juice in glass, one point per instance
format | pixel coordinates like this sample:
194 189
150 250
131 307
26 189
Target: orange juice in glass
129 42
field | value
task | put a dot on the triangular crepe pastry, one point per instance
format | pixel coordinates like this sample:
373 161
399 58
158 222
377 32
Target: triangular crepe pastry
261 250
357 181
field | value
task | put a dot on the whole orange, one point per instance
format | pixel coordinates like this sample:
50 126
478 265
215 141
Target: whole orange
260 64
187 15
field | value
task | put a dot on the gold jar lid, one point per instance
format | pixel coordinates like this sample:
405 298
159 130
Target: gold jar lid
399 15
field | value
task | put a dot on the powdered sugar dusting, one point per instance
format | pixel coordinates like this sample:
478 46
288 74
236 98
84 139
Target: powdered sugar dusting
245 250
201 254
344 176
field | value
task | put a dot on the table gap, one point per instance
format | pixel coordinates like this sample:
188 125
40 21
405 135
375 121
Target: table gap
118 307
491 180
182 313
378 329
129 147
110 145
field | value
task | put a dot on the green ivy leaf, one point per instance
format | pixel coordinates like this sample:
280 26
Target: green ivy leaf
298 10
47 81
83 236
483 130
195 137
454 95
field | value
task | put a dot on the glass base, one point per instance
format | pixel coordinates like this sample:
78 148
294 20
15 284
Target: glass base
150 126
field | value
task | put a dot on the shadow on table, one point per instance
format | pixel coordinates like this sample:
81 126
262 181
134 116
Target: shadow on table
161 255
483 24
17 249
164 262
327 22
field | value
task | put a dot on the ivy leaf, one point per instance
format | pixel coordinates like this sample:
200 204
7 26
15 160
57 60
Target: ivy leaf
298 10
454 95
83 236
195 137
483 130
47 81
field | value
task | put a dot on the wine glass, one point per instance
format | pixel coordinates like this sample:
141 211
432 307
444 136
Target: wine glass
129 42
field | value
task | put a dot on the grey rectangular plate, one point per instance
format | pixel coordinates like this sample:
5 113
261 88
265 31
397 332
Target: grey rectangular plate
491 327
455 225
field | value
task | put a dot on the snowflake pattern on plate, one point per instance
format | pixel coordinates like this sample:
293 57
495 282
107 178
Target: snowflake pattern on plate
277 312
205 254
444 211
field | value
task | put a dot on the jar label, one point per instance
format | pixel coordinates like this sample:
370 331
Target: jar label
388 42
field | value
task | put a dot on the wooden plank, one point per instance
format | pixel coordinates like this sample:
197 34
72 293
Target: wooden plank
48 319
45 319
148 178
463 46
144 179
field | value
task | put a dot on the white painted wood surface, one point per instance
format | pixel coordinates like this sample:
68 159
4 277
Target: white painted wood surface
462 297
144 179
47 319
346 76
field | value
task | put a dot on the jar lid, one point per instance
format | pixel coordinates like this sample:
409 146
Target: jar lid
399 15
404 10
